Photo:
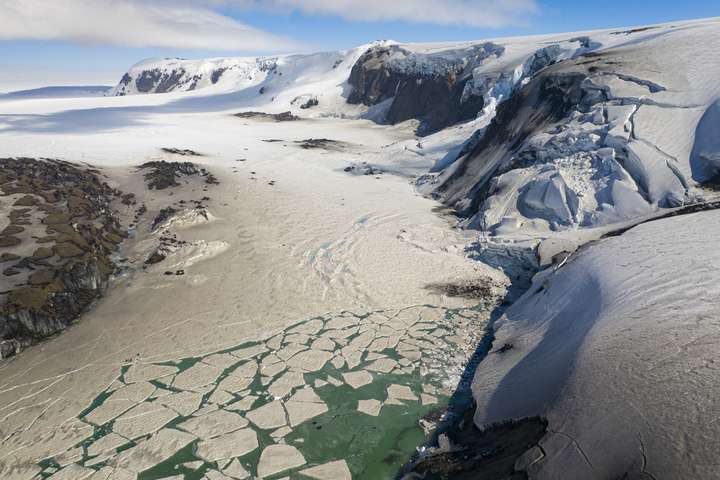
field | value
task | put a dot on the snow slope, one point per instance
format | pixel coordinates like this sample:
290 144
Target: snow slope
168 75
618 350
275 83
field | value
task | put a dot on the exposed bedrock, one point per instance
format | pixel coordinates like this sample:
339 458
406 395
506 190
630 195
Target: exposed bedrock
156 80
66 232
431 89
35 312
177 75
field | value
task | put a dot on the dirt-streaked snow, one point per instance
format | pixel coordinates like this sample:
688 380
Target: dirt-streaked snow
618 349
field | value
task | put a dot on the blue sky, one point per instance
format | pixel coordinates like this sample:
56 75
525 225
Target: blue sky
42 47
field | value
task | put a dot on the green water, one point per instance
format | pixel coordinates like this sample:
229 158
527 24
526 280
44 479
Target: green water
375 448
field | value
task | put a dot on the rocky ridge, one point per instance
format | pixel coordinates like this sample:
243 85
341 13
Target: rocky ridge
57 247
172 75
432 89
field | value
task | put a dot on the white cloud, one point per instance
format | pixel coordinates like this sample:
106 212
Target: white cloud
476 13
21 77
133 23
197 24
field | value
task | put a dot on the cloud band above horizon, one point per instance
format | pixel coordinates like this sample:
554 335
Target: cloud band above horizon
197 24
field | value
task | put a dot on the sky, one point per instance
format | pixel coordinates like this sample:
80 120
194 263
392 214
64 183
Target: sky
92 42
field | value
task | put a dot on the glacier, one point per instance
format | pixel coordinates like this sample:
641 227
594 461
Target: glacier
582 174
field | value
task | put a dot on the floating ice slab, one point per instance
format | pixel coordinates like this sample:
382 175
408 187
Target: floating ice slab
196 376
153 451
357 379
338 470
236 470
303 406
143 419
213 424
230 445
310 360
271 415
278 458
73 472
369 407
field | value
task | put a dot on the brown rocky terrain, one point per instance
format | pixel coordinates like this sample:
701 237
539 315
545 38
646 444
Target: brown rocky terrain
59 232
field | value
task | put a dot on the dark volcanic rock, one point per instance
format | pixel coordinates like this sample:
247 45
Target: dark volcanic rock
165 214
464 452
634 30
363 169
431 89
474 289
306 101
216 74
322 143
278 117
126 79
312 102
160 175
71 270
156 256
158 81
181 151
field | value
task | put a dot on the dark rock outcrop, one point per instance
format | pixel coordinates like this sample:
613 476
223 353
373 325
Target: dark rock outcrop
276 117
320 143
179 75
464 452
65 275
311 102
181 151
216 74
165 214
160 175
429 88
306 101
159 81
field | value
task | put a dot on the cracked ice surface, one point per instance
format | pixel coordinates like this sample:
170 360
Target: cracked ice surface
262 408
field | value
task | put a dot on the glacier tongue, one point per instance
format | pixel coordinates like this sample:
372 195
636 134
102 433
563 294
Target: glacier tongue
616 350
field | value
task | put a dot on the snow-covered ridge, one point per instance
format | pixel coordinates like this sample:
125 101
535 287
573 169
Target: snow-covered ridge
169 75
